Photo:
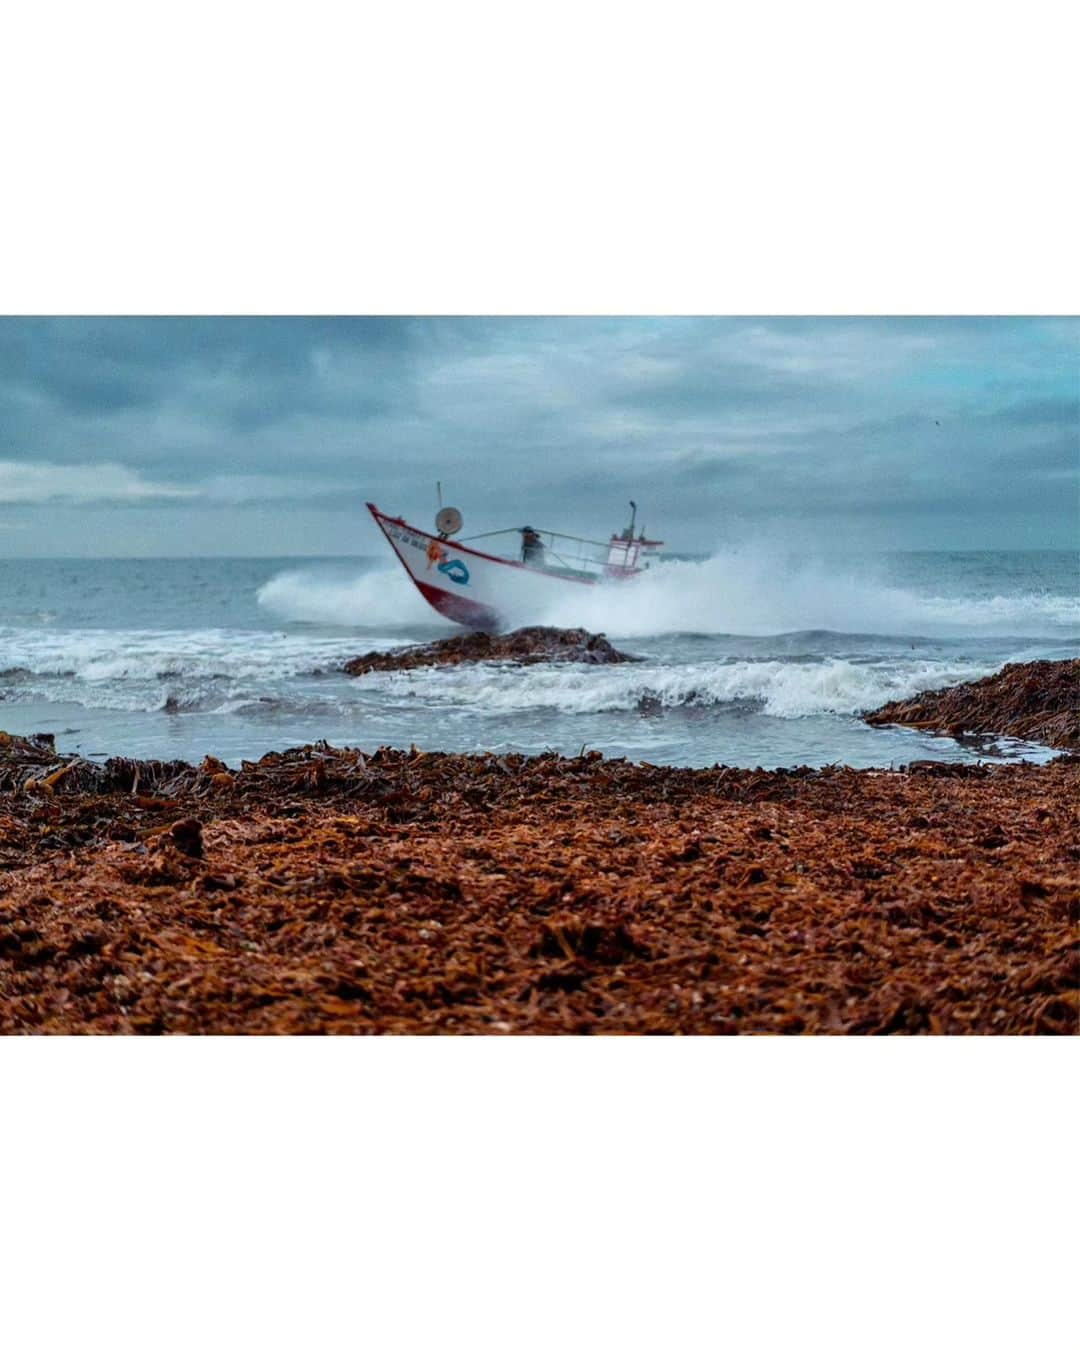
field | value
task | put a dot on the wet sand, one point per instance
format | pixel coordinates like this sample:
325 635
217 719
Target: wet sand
325 890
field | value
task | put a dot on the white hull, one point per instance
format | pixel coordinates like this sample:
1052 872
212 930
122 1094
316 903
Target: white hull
467 586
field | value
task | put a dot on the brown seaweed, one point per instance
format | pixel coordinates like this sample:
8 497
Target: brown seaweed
1033 701
329 890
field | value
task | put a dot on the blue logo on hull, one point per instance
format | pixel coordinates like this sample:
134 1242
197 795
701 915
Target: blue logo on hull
456 571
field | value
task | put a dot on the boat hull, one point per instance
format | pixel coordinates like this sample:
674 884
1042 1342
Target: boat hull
467 586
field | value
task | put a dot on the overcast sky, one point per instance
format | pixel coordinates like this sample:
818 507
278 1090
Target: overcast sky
260 436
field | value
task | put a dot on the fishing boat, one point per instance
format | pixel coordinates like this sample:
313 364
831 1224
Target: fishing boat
518 571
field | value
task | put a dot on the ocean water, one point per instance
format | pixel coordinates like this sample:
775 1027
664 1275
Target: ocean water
749 658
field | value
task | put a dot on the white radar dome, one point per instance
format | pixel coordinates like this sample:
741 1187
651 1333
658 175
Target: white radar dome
448 521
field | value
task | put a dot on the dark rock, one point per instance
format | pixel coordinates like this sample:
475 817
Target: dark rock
525 647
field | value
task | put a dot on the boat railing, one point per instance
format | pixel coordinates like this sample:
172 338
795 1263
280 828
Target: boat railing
560 551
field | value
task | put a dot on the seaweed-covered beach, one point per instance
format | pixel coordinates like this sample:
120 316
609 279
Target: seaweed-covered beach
331 890
326 890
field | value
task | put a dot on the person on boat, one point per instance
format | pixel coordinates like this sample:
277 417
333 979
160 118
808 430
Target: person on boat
532 547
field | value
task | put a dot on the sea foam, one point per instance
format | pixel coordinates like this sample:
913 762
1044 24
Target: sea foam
757 593
742 591
778 688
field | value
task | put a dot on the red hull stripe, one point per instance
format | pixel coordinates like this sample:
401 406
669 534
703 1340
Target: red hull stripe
457 609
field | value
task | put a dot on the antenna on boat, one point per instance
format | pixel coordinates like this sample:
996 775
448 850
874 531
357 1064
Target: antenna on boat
633 517
448 518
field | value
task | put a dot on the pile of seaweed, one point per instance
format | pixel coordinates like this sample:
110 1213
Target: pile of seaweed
33 764
1033 701
525 647
331 890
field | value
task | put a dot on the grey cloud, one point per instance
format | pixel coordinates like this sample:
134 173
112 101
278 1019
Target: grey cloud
43 483
914 421
1046 412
